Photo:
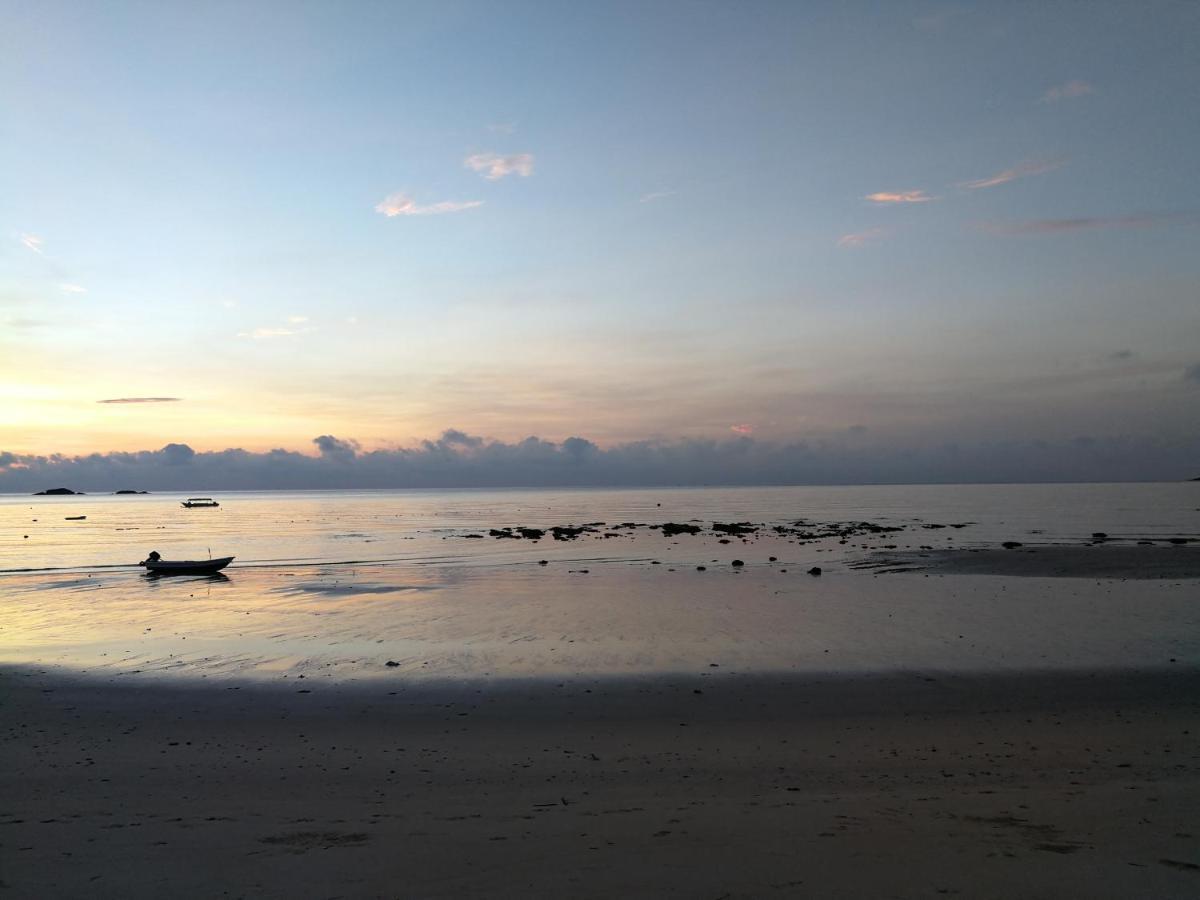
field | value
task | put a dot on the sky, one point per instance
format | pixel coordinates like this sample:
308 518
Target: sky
894 232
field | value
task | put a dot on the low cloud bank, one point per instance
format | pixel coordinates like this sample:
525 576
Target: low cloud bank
457 459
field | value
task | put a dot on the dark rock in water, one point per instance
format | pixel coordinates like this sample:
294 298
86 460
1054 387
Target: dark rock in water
480 536
543 562
723 541
501 533
568 532
532 533
672 528
131 492
737 563
772 559
815 570
1177 540
391 664
1099 535
1145 543
1012 545
701 568
55 492
734 527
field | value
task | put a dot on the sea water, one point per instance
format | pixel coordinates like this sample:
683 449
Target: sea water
340 584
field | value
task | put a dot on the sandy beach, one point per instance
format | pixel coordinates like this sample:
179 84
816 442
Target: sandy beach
625 712
704 785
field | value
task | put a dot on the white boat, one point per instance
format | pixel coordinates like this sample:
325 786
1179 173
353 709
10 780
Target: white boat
191 502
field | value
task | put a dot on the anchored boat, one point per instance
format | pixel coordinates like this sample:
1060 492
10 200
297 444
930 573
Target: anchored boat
159 566
192 502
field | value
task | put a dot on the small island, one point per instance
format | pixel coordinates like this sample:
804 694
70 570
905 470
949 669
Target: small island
54 492
131 492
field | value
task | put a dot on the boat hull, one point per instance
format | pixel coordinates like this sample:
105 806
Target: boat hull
188 567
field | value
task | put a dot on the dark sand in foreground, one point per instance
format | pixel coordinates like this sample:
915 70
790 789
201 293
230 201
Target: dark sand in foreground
714 785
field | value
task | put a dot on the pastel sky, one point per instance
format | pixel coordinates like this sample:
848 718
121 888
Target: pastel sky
914 223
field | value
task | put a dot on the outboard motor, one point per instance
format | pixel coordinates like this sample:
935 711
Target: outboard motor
153 557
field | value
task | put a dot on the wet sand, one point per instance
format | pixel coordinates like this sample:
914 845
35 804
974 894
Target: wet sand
1101 560
698 785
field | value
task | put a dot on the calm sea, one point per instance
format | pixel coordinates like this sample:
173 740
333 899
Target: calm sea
387 584
337 526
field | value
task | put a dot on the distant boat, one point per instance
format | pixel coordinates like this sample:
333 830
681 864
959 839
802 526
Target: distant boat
159 566
75 518
191 502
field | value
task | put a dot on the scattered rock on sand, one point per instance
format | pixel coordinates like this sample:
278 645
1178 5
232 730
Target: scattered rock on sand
737 563
735 527
815 570
670 529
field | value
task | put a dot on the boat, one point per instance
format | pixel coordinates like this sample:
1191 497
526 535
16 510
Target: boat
156 565
75 518
192 502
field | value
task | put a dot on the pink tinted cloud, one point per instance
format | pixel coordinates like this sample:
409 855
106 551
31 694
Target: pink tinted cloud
1024 170
493 167
1069 91
861 238
32 242
742 429
400 204
899 197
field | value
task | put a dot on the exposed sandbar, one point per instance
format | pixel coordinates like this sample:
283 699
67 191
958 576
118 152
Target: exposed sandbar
1049 561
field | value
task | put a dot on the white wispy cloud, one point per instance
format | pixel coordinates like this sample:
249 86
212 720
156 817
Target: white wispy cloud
860 238
142 400
263 334
68 288
32 242
899 197
656 195
493 166
400 204
1024 170
297 320
1068 91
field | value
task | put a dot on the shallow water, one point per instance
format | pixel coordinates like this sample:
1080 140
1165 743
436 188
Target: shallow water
338 584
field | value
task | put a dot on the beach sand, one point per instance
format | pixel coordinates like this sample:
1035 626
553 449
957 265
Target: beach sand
1162 561
704 784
